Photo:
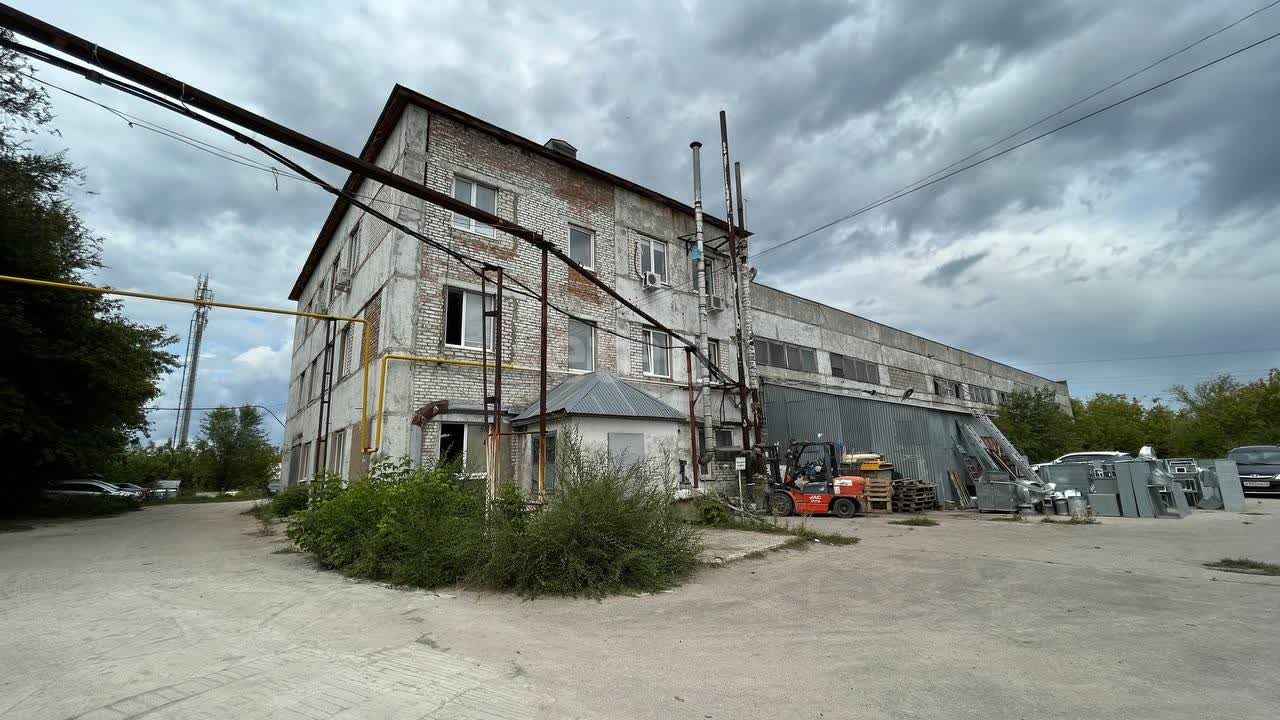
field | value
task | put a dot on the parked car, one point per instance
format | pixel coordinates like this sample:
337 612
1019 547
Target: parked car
165 489
70 490
274 486
138 490
1088 456
1259 467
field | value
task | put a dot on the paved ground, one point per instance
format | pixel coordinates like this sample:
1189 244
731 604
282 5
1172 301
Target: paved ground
183 612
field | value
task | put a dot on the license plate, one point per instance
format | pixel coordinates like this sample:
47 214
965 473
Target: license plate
1256 483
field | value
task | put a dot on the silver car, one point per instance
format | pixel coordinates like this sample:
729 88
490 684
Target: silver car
165 489
71 489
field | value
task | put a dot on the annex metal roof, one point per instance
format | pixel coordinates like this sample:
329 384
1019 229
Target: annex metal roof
600 393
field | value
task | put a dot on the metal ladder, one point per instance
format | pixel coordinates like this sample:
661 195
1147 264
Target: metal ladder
1019 460
326 400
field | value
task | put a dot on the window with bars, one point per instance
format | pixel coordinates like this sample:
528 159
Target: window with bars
851 368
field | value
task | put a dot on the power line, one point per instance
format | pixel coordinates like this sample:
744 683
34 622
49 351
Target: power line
917 187
220 407
1010 136
1153 357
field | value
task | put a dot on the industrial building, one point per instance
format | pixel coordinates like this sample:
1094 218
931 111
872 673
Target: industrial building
621 383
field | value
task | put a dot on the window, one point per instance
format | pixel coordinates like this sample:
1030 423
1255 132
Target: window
311 385
854 369
303 393
656 353
709 268
582 346
981 394
344 351
478 196
957 390
463 443
582 246
785 355
549 476
353 247
337 443
464 316
724 437
713 352
653 257
626 449
938 389
333 277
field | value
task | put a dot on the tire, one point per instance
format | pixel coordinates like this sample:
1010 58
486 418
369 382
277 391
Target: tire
780 504
844 507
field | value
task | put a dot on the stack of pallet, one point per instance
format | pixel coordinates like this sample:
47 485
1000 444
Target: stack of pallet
914 496
879 495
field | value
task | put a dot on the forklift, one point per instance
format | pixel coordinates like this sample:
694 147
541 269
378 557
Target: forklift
812 482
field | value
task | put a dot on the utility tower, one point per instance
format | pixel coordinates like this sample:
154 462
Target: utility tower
195 333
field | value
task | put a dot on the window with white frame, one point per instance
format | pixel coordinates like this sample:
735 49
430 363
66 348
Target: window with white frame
353 247
333 277
582 246
709 270
463 443
344 351
656 357
713 352
653 257
464 318
582 345
481 197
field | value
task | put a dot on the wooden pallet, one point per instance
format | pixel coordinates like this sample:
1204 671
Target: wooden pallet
914 496
879 505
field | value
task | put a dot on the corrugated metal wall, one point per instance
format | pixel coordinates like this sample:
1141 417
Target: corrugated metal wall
919 441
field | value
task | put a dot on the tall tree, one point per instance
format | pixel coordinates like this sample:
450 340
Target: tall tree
1111 422
238 454
1036 424
1222 413
75 375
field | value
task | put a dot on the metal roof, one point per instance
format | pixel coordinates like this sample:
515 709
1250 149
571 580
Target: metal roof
600 393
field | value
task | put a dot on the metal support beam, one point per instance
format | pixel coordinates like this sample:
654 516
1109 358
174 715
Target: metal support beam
693 422
744 407
542 384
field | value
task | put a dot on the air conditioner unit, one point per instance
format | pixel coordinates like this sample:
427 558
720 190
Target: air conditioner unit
717 303
342 281
652 280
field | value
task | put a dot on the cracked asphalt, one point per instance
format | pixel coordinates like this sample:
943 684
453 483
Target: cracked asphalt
187 612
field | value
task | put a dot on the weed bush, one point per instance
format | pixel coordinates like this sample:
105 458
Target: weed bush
607 529
289 501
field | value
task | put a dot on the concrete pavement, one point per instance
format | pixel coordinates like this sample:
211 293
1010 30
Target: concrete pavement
183 611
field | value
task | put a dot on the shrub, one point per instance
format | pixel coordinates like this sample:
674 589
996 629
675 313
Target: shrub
289 501
607 529
338 532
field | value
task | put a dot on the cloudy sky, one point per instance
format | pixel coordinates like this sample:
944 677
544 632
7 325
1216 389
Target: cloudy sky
1144 232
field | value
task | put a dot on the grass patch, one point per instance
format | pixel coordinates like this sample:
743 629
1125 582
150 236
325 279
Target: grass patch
1244 565
916 521
201 499
1008 518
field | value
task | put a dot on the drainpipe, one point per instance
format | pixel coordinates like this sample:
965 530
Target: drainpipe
699 256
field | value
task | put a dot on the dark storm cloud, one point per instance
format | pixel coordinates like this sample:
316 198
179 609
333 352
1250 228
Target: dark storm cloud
951 272
832 105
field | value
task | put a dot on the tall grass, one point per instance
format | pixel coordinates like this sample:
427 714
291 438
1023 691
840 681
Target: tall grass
606 529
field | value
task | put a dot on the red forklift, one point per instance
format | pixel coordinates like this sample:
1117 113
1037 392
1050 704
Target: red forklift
812 482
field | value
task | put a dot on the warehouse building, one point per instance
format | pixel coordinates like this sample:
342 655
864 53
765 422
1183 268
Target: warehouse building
617 381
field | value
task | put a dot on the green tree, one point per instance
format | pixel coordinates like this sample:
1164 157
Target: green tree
1111 422
238 454
75 375
1222 413
1036 424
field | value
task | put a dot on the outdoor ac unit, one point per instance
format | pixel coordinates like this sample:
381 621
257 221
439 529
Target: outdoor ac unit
717 303
342 281
652 280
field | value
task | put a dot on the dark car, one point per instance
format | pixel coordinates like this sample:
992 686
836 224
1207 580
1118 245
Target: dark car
73 490
1259 467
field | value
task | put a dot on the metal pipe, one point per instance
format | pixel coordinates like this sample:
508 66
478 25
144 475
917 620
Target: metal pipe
693 423
747 358
364 393
542 392
700 258
495 440
190 96
743 400
382 374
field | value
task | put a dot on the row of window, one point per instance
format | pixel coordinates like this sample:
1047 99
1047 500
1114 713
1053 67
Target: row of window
785 355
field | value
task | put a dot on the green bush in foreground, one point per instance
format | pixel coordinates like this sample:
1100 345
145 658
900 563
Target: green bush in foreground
606 529
289 501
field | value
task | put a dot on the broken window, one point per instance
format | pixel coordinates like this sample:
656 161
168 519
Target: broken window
582 345
481 197
653 257
464 318
582 246
464 444
656 355
854 369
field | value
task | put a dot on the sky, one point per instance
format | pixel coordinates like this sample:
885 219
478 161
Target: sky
1092 255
